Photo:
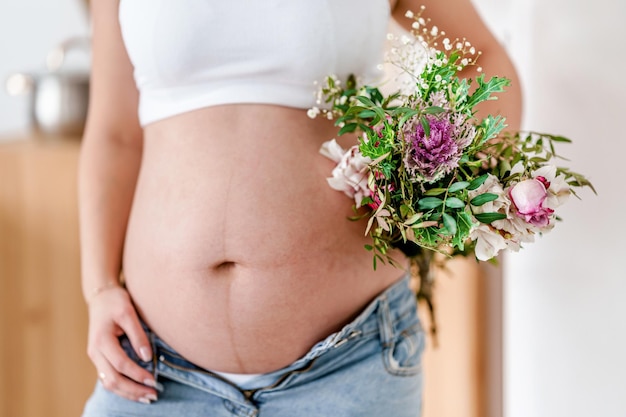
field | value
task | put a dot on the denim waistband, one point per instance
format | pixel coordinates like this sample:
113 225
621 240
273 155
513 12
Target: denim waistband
394 308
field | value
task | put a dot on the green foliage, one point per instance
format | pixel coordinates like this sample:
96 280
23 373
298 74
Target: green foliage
438 214
485 91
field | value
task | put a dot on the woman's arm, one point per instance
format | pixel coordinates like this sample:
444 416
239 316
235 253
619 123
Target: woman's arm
108 168
459 19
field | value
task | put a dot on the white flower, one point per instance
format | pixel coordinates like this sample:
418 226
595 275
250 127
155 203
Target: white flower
351 173
313 112
332 150
488 242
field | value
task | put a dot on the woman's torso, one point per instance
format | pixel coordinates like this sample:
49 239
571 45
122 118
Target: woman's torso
238 253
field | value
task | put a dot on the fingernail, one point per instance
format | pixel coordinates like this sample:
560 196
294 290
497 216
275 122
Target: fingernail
150 397
144 352
144 400
154 384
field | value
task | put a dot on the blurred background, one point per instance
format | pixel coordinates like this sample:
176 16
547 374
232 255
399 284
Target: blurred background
547 340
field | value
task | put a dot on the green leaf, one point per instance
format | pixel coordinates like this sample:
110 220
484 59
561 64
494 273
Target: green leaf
435 191
559 139
402 110
477 182
347 128
485 89
367 114
390 98
481 199
366 101
351 82
428 203
464 224
355 110
375 94
365 128
405 210
449 223
454 202
504 167
491 127
379 112
409 114
489 217
433 110
413 219
458 186
425 125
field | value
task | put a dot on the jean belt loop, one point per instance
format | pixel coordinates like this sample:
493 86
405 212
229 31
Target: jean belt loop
155 353
385 324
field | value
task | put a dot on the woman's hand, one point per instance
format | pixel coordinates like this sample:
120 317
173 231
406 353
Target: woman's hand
112 314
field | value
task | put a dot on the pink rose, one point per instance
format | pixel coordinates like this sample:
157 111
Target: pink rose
528 197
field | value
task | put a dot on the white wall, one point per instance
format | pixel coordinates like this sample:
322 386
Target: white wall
564 314
565 327
28 30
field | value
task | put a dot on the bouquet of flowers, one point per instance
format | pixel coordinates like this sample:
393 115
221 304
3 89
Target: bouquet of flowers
430 176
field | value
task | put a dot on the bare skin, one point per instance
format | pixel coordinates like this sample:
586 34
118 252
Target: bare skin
234 248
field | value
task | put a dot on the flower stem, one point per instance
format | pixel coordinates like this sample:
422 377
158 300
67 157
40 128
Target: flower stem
423 262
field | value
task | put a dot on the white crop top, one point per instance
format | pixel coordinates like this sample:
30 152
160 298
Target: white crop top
189 54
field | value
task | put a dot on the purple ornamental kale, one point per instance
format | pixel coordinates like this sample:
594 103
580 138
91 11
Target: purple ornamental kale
429 158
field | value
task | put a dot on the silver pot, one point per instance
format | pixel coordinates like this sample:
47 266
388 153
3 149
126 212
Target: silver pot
58 98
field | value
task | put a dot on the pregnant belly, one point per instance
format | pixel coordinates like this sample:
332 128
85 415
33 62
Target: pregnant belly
238 254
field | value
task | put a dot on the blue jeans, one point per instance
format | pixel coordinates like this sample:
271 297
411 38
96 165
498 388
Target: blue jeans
372 367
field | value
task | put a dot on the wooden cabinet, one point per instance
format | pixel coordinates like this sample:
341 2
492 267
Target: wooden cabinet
462 373
44 369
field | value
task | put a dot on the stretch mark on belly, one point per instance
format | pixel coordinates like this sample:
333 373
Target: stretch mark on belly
231 331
